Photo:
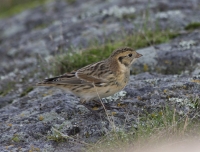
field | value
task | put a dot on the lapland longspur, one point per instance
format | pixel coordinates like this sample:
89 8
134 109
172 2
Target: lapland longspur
97 80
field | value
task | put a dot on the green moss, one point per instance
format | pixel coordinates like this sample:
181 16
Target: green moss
25 92
16 138
16 6
75 60
193 26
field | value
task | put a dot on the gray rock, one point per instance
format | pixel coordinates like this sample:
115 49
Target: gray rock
181 54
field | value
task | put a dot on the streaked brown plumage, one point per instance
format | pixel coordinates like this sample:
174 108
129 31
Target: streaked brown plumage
103 78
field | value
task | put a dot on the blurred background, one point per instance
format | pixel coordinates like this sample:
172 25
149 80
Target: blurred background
11 7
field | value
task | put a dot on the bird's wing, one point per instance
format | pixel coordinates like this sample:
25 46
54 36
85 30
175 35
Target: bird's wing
96 73
67 78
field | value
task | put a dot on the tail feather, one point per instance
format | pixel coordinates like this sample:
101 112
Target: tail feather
44 84
68 78
48 82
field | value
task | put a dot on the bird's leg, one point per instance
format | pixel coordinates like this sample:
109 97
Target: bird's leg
107 107
97 102
83 102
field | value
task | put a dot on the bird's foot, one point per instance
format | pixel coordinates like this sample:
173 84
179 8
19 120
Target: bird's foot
95 112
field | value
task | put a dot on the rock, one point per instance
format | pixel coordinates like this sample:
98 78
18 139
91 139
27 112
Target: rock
181 54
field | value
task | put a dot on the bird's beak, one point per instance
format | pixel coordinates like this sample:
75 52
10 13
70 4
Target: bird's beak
138 55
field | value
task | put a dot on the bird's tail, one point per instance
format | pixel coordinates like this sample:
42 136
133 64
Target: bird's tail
48 82
45 84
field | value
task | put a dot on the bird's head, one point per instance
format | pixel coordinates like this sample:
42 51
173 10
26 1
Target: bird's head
125 56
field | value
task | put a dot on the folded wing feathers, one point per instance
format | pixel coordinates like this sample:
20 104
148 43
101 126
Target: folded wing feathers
82 76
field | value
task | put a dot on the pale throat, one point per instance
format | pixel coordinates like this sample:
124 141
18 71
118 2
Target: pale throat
123 68
133 61
124 72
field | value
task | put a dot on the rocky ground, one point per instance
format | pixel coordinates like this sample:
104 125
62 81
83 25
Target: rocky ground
30 117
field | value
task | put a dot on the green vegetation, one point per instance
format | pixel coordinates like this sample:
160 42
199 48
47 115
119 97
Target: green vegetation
41 26
70 1
25 92
193 26
129 16
159 126
16 138
56 136
11 7
74 60
7 88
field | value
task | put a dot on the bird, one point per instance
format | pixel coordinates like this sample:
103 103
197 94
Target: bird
97 80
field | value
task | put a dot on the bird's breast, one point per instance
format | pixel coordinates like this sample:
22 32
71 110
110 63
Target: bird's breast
123 78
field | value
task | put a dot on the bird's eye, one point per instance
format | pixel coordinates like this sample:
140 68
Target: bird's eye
130 55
